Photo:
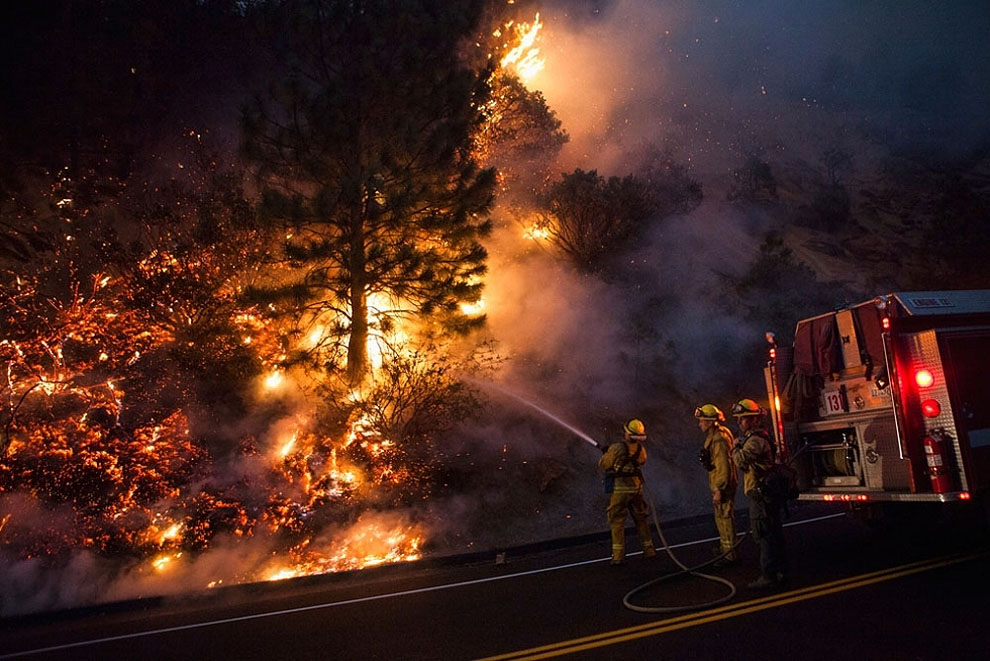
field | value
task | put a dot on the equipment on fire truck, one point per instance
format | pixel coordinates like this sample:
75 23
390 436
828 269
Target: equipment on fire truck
937 468
887 400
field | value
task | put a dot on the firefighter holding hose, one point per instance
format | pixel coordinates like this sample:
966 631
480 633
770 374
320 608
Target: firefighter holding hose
716 457
622 465
753 452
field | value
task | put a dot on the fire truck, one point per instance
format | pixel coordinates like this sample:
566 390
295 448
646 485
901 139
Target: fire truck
887 400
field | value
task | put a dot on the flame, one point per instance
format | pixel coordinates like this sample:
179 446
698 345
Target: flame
382 309
164 562
367 544
473 308
148 486
287 446
274 379
536 233
524 58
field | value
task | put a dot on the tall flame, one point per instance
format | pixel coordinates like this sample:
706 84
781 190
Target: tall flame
525 56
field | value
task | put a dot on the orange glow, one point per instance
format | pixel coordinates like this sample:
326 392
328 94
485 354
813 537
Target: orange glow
274 379
473 308
367 544
536 233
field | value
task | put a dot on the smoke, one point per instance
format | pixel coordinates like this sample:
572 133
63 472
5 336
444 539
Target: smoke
711 82
714 81
85 578
718 78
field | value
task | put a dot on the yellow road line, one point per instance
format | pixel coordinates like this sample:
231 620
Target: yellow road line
732 610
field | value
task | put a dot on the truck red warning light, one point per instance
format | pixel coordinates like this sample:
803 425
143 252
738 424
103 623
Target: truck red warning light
931 408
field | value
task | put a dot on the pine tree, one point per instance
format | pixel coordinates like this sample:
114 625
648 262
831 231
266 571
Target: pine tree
364 154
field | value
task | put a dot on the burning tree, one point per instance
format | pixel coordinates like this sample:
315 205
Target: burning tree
141 401
589 217
364 155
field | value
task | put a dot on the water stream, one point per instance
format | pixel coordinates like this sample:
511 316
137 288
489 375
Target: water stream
505 391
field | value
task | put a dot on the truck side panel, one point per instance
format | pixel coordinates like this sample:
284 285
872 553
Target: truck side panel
968 355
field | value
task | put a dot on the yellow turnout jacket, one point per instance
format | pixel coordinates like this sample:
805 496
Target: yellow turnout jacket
624 460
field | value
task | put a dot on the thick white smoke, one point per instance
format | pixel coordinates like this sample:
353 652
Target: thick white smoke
713 82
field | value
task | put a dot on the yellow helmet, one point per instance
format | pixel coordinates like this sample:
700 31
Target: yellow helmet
746 407
635 427
709 412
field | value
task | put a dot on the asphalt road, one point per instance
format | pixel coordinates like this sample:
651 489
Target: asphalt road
914 590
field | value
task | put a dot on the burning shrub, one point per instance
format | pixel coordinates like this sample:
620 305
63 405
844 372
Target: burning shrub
414 396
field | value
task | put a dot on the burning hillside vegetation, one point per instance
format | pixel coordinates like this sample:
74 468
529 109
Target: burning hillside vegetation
154 412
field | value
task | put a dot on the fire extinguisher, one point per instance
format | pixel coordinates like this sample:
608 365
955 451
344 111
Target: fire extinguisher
937 465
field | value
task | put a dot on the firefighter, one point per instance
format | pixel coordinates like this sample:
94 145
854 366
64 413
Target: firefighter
622 463
754 454
716 456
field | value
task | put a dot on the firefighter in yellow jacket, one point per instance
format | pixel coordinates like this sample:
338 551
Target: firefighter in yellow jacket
754 453
716 457
622 463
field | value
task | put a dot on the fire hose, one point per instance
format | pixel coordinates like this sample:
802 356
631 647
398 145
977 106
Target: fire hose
684 570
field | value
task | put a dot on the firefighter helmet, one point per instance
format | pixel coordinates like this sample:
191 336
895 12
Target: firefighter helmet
746 407
709 412
635 427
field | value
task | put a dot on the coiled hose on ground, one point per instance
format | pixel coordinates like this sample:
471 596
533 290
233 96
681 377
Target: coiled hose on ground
685 571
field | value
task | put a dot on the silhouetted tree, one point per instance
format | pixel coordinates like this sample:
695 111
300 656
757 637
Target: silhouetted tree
521 138
364 151
753 182
778 289
671 187
589 217
832 205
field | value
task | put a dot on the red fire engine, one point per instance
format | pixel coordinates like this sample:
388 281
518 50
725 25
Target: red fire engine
887 400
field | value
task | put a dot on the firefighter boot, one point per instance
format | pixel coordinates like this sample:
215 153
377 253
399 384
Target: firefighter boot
778 582
618 556
645 539
728 560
